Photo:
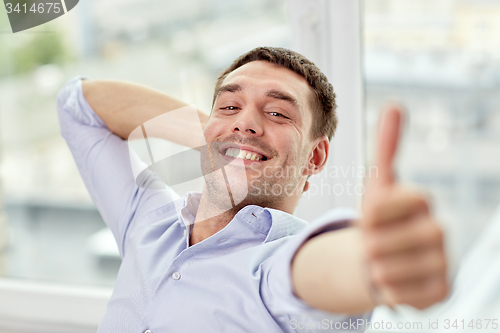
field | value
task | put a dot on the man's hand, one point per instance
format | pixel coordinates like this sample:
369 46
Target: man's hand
404 244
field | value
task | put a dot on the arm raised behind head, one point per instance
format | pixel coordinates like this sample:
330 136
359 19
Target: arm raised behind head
124 106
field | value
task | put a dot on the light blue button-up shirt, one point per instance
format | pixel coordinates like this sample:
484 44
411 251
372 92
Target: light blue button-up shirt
237 280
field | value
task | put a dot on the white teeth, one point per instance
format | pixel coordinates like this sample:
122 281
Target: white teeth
237 153
233 152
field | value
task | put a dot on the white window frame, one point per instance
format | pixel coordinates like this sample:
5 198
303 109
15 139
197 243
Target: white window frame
328 32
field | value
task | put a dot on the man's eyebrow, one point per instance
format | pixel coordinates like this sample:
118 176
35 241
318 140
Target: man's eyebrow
284 96
232 87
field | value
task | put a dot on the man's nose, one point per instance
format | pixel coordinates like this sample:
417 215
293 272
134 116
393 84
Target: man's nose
248 122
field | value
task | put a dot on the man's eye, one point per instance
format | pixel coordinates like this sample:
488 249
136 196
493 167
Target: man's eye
231 108
276 114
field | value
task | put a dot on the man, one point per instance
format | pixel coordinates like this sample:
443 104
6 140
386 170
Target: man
249 266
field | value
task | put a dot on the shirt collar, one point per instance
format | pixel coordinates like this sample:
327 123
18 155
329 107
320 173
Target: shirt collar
189 208
273 223
283 224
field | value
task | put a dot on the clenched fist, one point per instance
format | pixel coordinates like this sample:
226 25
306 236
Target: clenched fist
403 243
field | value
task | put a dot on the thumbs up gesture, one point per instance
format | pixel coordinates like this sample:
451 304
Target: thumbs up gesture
404 244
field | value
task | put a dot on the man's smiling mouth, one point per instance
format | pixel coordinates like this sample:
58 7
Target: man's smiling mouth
247 153
244 154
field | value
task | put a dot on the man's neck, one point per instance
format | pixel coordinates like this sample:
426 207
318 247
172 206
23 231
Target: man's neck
212 216
210 219
203 229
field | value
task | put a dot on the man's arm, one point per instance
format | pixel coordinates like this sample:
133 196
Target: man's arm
124 106
105 161
394 254
329 273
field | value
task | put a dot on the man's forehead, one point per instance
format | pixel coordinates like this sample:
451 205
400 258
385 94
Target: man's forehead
272 76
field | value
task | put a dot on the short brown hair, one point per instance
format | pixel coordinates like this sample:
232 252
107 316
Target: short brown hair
323 100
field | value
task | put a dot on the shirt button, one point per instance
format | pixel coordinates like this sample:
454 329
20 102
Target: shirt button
176 276
148 331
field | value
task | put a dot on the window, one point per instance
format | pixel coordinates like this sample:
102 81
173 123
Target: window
440 60
429 56
58 251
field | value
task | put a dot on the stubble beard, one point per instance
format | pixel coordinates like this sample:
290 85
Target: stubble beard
249 186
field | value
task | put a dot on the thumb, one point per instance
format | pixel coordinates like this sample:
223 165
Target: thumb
387 144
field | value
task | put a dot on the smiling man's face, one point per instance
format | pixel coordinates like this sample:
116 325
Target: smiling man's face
261 122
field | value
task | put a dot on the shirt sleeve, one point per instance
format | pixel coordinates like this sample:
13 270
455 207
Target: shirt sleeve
282 301
104 162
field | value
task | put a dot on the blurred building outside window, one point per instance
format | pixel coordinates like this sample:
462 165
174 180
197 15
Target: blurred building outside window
441 60
179 48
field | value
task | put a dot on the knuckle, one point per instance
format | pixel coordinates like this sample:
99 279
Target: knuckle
421 203
437 230
436 261
393 297
442 290
437 291
423 304
433 233
373 248
437 234
377 212
441 263
400 298
380 276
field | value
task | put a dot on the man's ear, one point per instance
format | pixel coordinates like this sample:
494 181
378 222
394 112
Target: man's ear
318 156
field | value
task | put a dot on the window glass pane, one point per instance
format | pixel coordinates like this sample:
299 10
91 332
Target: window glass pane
440 59
54 232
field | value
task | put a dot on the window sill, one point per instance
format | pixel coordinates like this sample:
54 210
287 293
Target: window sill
33 306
